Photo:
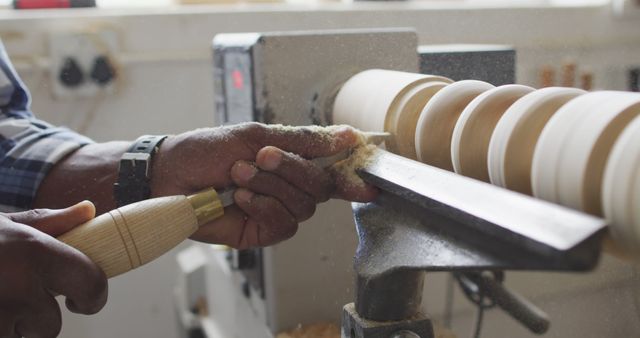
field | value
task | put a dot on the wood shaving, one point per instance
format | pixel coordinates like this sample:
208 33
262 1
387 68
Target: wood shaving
362 156
317 330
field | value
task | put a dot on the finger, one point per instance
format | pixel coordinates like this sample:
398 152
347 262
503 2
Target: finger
225 230
298 203
303 174
352 188
42 321
269 221
56 222
308 142
67 271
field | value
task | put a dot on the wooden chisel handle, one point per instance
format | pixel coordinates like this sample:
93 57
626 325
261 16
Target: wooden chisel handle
128 237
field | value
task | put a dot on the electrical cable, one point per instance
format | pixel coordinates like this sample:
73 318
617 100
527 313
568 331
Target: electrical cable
477 327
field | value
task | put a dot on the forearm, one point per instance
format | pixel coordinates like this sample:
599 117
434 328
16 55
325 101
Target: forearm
86 174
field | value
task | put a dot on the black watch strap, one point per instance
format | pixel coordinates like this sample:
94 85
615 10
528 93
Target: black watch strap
134 172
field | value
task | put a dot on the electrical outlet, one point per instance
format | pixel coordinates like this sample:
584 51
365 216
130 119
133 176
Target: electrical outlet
626 9
82 63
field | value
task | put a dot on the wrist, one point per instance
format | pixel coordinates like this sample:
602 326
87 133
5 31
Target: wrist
86 174
160 176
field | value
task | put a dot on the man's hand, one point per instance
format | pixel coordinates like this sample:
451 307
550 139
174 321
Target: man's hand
278 185
34 267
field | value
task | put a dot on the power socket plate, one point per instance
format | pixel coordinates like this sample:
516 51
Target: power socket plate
84 47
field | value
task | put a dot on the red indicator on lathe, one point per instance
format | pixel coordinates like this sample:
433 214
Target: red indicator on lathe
238 79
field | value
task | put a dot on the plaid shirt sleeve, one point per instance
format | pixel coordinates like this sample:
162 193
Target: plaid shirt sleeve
29 148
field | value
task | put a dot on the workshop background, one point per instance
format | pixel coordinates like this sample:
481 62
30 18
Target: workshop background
163 57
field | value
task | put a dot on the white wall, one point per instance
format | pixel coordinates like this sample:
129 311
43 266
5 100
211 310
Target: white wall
168 88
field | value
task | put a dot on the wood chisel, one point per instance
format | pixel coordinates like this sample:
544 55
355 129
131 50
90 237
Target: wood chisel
128 237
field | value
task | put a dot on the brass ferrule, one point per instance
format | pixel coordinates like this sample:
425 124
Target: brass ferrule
206 205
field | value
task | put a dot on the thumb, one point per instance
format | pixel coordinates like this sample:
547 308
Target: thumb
56 222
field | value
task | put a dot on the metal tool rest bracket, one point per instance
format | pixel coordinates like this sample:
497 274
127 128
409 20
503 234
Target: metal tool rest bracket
429 219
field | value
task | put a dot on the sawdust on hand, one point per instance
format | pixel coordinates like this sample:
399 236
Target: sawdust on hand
312 128
361 156
326 134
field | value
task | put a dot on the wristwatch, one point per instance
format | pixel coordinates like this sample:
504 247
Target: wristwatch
134 171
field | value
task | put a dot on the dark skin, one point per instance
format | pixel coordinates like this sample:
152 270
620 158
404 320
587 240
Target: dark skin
34 267
278 188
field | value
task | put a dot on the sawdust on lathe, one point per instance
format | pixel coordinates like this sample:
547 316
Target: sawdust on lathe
318 330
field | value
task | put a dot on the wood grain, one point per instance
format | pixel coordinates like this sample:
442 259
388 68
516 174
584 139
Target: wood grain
473 130
516 134
435 125
126 238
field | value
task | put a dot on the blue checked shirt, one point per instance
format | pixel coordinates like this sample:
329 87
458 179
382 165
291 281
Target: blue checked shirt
28 147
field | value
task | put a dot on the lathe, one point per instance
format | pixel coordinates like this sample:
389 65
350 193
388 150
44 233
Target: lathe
427 218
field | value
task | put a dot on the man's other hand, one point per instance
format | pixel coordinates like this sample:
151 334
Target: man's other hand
34 267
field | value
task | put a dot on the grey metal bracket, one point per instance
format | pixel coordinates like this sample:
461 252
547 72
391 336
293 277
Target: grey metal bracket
428 219
435 220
